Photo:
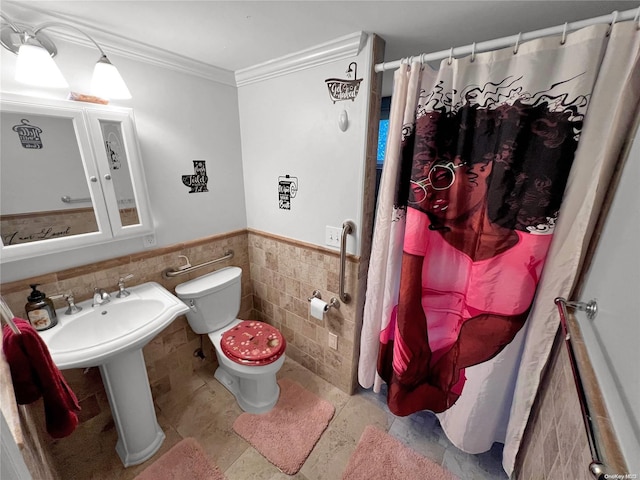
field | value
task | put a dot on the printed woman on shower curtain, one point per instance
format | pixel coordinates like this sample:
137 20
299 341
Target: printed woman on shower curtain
487 179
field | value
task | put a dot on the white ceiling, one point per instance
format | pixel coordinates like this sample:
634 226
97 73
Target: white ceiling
238 34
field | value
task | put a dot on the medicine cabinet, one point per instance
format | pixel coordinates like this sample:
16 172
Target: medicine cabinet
70 176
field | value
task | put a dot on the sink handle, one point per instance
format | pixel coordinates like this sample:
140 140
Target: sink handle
73 308
123 292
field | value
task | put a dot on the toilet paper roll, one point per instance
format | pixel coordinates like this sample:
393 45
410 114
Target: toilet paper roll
318 308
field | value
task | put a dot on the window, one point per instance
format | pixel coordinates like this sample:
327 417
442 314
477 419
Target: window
383 131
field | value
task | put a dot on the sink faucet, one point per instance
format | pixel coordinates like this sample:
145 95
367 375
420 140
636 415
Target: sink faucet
100 297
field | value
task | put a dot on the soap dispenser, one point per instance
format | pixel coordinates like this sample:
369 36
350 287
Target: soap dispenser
40 310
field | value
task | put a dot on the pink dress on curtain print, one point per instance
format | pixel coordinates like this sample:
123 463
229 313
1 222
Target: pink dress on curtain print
455 288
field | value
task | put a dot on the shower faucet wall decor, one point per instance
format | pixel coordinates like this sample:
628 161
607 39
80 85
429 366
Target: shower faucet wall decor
345 89
287 189
198 181
29 134
113 146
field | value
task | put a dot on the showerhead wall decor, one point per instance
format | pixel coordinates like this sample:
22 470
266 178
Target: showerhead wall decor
345 89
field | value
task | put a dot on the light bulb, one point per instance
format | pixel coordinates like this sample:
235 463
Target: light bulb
35 66
107 82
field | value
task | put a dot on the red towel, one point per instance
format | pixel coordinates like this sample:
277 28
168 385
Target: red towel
35 375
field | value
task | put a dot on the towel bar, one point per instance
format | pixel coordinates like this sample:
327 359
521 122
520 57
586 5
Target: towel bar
596 467
171 272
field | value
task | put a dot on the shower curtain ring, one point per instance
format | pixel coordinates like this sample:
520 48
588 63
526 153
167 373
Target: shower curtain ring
517 45
563 40
450 56
613 21
473 52
637 19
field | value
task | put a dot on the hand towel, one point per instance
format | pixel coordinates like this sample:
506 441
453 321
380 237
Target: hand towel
35 375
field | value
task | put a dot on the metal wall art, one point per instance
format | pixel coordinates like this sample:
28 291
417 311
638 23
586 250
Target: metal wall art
198 181
345 89
287 189
29 134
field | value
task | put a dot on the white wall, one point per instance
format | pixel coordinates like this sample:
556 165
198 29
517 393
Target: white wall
613 279
289 126
180 118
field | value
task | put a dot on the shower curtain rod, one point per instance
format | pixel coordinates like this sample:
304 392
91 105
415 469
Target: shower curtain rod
513 39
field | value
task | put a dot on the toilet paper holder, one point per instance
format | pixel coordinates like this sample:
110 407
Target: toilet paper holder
334 302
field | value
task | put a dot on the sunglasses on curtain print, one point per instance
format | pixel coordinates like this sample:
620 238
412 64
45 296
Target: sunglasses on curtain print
441 176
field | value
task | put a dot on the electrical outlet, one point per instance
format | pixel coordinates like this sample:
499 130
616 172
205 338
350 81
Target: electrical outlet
149 241
333 341
332 236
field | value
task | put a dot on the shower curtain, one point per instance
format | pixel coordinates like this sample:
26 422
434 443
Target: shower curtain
480 153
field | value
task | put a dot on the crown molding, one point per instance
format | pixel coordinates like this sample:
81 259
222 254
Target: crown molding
344 47
158 57
338 49
123 47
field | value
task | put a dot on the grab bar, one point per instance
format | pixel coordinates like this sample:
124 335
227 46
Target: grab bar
68 199
171 272
347 227
596 467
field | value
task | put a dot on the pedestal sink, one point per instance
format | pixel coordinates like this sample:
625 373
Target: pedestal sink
111 337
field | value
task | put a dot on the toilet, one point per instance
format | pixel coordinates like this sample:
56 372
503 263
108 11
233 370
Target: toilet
249 352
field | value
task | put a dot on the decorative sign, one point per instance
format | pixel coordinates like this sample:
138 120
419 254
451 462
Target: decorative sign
340 89
115 152
198 181
29 134
287 189
14 238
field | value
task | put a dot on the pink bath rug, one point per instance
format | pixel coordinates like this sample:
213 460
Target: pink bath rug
381 456
288 432
185 460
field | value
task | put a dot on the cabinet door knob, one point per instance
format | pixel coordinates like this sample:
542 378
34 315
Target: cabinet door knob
93 179
107 177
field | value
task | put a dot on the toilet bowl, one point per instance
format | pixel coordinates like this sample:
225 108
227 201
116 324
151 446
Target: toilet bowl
250 353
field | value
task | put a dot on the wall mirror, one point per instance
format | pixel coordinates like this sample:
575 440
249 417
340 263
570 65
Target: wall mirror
70 175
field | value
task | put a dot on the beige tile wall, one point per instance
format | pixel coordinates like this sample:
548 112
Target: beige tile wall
284 274
169 356
555 443
278 277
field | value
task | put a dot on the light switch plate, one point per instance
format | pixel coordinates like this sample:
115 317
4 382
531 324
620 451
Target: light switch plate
149 240
332 236
333 341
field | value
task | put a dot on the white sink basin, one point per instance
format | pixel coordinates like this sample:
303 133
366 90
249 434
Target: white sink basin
97 334
111 336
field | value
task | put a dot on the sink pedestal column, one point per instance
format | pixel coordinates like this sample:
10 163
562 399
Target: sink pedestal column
127 385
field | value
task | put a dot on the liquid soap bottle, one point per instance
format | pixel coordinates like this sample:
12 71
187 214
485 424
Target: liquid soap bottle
40 310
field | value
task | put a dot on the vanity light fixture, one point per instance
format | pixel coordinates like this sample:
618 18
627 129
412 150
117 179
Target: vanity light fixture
35 65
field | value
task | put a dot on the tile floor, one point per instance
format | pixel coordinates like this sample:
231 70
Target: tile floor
205 410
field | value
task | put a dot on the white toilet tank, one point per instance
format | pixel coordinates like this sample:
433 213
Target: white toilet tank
214 299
